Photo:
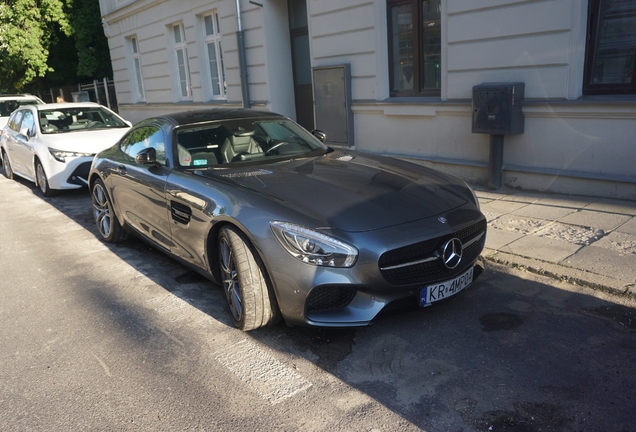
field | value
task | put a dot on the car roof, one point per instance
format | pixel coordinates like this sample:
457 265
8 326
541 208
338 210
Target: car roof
66 105
17 96
207 115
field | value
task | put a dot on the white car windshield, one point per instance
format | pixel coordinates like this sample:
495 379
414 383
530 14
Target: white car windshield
61 120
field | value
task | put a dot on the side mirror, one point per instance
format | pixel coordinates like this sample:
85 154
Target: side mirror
25 133
319 134
147 156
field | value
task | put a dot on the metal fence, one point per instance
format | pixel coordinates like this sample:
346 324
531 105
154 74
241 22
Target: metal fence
102 92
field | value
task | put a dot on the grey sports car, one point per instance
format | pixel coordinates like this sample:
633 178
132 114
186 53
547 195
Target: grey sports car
289 227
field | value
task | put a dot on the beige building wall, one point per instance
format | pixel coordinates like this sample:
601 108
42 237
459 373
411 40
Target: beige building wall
268 54
572 143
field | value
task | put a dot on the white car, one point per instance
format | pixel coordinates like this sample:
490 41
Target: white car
53 144
11 102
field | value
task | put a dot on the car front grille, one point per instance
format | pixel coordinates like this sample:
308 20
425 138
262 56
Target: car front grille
396 268
329 297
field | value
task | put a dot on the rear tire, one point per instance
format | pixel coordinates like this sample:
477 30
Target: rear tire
109 228
6 166
42 182
251 302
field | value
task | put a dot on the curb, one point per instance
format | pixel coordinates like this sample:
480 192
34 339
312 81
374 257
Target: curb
562 273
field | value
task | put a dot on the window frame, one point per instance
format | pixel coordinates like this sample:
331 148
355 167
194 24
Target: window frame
181 46
589 87
214 38
419 88
137 70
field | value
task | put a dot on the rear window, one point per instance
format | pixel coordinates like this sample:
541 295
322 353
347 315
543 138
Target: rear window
7 106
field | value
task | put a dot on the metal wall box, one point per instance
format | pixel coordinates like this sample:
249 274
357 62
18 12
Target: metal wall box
497 108
332 103
80 96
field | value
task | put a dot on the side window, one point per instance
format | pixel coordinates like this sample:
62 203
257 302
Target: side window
7 107
28 123
144 137
15 120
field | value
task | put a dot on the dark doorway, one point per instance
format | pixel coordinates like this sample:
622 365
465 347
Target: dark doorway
301 61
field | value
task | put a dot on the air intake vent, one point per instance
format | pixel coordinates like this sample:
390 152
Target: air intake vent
330 297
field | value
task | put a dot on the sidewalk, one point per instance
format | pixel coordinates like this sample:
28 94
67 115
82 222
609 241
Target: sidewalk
584 240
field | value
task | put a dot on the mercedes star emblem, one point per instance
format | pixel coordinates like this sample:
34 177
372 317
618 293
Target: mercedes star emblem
451 253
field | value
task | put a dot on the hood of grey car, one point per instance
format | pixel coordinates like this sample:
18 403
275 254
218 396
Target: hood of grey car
350 192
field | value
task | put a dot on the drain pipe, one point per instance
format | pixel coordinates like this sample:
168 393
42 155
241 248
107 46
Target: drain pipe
245 86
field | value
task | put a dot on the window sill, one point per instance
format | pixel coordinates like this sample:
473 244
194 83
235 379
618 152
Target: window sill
216 102
608 98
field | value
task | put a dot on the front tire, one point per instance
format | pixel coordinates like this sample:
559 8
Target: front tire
249 299
42 181
6 166
109 228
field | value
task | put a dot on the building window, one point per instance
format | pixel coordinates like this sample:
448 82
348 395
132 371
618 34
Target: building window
415 41
214 55
181 58
611 47
136 64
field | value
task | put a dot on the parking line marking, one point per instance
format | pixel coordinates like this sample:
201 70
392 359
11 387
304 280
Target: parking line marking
270 378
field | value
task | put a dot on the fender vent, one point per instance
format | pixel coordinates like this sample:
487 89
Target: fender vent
180 213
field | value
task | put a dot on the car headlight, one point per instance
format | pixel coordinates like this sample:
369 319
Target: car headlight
313 247
62 155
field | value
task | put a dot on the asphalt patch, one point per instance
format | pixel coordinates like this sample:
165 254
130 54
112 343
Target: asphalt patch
527 417
619 317
500 321
331 346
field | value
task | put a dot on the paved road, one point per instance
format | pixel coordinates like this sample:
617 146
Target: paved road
102 337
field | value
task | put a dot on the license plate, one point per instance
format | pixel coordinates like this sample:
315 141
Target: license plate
433 293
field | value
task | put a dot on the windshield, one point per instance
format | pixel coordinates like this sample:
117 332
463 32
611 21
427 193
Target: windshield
61 120
244 140
8 106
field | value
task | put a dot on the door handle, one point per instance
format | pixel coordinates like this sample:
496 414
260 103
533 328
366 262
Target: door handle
121 170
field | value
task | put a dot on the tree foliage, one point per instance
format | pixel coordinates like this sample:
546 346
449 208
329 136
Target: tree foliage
51 42
26 27
93 54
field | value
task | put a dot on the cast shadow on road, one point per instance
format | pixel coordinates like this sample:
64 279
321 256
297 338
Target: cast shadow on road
515 352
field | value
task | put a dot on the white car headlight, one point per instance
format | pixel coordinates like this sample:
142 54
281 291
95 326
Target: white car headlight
313 247
61 155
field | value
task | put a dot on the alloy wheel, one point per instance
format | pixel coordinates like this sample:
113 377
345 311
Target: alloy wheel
6 165
101 210
230 280
42 182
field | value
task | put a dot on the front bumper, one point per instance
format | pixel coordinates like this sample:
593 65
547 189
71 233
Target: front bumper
340 297
72 174
365 308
